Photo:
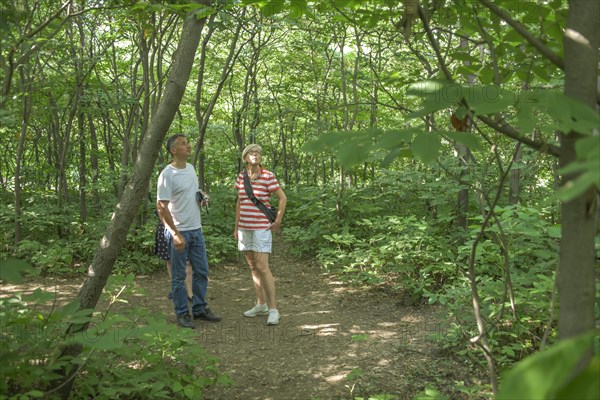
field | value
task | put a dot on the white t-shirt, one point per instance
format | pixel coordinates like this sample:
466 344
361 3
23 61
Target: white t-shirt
179 187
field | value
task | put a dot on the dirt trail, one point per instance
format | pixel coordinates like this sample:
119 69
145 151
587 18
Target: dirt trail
327 331
333 341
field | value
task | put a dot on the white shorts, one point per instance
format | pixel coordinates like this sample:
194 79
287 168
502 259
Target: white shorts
257 241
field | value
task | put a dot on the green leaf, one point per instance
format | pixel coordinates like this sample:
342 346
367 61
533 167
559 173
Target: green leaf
463 56
436 96
273 7
588 148
468 139
525 117
541 375
513 37
486 75
466 70
394 139
354 374
325 142
489 99
419 89
571 114
575 188
390 157
361 337
426 147
430 394
13 269
586 386
584 119
297 8
352 153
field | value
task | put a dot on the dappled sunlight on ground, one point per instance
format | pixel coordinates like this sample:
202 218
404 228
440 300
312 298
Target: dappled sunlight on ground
333 341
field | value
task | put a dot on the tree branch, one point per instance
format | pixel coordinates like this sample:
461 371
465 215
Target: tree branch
502 127
511 132
520 28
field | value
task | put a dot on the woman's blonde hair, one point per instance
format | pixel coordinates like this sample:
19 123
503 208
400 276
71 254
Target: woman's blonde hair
249 148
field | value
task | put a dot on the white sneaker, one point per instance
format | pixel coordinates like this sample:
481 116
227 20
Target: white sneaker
273 317
258 309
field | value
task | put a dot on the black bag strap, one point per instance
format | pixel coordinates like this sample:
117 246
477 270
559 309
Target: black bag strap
250 193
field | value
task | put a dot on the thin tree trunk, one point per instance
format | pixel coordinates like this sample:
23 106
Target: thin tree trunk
94 163
515 177
136 189
576 278
26 109
81 124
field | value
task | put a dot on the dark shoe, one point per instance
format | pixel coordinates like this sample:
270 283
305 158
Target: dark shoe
207 315
170 296
190 299
185 321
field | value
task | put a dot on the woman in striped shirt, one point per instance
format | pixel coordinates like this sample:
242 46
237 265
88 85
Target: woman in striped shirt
253 231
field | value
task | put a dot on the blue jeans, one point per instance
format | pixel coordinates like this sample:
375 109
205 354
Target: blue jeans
195 251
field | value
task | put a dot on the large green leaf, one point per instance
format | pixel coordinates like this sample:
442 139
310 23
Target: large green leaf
436 97
395 138
325 142
273 7
489 99
586 385
571 114
395 153
573 189
297 8
13 269
426 146
543 374
525 117
354 152
468 139
588 148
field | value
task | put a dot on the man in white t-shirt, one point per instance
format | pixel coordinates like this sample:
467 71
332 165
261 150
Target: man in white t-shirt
179 210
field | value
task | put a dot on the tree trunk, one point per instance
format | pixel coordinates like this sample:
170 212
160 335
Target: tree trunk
515 177
576 279
136 189
81 122
94 163
26 107
463 154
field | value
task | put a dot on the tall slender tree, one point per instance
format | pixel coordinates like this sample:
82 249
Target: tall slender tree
575 279
136 188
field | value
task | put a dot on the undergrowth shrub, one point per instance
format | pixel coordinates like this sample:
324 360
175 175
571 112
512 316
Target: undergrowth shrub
133 354
532 245
396 250
56 243
309 215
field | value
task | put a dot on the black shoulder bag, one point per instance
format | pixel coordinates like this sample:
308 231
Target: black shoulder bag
270 213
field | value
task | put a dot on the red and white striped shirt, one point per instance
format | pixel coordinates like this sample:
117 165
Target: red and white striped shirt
251 217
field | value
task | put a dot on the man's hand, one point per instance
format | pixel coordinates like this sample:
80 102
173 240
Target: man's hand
179 241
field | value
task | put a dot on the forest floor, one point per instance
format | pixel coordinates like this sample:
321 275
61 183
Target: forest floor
334 341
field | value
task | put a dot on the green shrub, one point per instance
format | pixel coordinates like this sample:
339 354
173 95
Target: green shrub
133 354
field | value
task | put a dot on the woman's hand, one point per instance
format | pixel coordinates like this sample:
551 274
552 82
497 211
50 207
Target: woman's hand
275 226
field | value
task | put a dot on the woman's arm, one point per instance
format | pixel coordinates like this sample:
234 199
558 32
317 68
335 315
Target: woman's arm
276 226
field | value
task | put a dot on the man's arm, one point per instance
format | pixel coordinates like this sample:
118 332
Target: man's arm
165 215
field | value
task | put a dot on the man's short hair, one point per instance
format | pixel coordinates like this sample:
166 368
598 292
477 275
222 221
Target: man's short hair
171 141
